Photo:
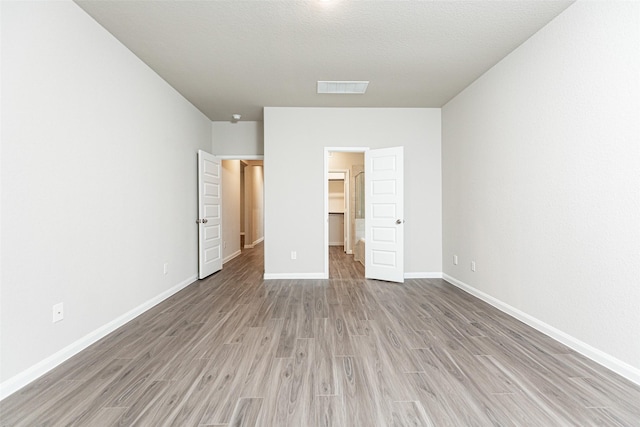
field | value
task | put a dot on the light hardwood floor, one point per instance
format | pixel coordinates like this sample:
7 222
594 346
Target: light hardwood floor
236 350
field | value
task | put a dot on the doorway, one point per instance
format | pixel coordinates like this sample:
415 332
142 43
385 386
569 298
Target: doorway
384 210
251 203
242 205
344 227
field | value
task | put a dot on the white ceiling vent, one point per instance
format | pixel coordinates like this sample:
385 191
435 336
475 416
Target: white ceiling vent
343 87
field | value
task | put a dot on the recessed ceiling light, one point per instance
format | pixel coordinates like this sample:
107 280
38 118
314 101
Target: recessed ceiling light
236 116
343 87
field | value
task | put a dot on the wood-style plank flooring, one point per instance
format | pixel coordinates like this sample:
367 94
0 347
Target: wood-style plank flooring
235 350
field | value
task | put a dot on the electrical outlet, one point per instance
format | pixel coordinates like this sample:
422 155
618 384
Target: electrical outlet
166 268
294 255
473 266
455 260
58 312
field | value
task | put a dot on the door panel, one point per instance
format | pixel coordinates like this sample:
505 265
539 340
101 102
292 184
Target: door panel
209 214
384 214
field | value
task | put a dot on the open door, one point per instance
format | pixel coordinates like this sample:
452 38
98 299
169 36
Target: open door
384 214
209 214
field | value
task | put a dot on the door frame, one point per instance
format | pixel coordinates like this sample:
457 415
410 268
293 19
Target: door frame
244 157
346 208
327 150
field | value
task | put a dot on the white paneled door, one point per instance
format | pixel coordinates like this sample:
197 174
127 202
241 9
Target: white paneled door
209 214
384 214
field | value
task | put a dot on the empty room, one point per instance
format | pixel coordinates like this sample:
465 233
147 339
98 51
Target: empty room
320 213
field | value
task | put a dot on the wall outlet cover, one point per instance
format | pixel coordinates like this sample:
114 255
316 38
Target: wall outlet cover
58 312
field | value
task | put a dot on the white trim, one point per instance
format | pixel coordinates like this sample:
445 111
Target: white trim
618 366
288 276
232 256
240 156
16 382
268 276
347 149
250 246
421 275
347 210
325 201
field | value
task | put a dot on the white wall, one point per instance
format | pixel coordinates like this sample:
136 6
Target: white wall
294 181
541 178
239 138
98 185
230 209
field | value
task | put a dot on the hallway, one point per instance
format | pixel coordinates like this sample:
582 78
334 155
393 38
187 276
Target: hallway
343 266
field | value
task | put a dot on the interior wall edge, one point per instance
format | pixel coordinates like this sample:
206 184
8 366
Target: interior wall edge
604 359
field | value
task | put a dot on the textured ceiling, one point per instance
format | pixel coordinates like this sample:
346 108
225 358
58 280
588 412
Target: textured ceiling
238 56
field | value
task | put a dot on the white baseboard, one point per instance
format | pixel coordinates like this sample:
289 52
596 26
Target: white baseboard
418 275
250 246
232 256
275 276
618 366
16 382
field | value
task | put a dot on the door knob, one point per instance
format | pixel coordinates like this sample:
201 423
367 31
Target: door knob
202 221
399 221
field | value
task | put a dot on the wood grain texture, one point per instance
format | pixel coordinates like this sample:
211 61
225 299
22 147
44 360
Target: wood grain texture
235 350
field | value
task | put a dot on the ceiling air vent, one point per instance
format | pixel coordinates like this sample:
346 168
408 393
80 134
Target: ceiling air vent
343 87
